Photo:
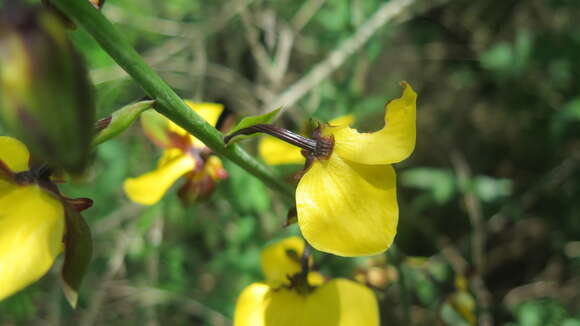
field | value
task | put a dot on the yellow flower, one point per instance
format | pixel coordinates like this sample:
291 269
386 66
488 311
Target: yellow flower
280 302
346 200
347 204
183 155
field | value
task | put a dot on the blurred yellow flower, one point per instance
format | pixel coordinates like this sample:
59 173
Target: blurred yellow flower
281 301
183 155
32 221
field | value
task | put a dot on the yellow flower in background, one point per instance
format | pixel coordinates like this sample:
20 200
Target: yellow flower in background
34 218
281 301
184 155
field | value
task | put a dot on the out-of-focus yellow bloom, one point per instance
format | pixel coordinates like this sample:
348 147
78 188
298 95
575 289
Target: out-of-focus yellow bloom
183 155
32 222
462 301
278 302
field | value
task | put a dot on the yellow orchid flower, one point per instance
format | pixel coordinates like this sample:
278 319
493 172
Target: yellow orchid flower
346 200
278 302
33 221
184 155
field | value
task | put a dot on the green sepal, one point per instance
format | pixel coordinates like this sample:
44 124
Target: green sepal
120 120
78 251
252 121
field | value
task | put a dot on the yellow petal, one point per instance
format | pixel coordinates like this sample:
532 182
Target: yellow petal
210 112
5 184
282 259
251 306
275 151
315 279
168 156
148 188
31 231
345 120
341 302
338 303
214 167
393 143
260 305
14 154
346 208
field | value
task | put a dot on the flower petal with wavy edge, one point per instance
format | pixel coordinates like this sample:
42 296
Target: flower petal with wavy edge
392 144
148 188
339 302
31 230
346 208
14 154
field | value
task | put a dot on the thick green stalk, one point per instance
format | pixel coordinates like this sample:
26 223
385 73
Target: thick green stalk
168 102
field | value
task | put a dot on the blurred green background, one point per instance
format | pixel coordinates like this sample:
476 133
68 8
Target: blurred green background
490 195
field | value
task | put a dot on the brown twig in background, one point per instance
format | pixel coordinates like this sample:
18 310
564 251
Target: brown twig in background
116 260
474 211
149 296
305 13
386 13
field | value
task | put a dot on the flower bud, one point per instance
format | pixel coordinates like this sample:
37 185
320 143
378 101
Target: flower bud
45 95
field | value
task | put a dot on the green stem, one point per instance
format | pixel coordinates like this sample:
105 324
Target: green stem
395 258
168 102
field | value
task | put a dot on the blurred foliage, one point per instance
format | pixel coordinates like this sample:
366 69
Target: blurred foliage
498 142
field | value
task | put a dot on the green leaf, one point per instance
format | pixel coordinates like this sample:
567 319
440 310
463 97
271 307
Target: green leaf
489 189
499 58
440 182
252 121
247 194
120 120
566 116
77 254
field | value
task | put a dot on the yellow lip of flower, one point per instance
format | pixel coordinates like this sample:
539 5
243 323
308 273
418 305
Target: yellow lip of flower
32 224
177 159
339 302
